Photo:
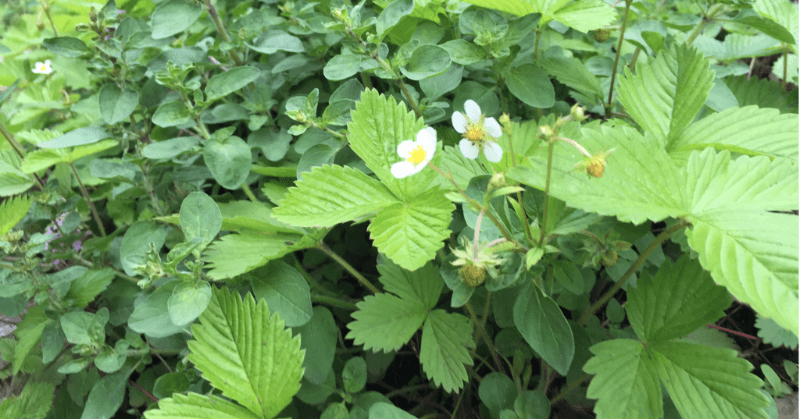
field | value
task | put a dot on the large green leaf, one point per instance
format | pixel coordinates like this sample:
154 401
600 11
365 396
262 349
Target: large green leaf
285 291
677 301
531 85
197 406
541 322
744 130
172 17
247 354
386 322
584 15
573 73
34 402
666 93
443 351
13 209
411 232
330 195
230 81
423 285
236 254
12 180
42 159
640 182
116 104
106 396
29 332
229 161
379 125
781 12
625 382
737 46
84 289
200 217
708 382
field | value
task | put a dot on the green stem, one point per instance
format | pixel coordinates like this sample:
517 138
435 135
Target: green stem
619 51
543 226
322 246
333 302
536 46
151 191
249 193
524 219
575 384
212 11
46 8
632 64
785 66
707 17
88 200
485 336
661 238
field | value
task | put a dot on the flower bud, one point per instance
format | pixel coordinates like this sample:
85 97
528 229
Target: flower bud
505 119
40 24
577 113
498 181
93 14
472 275
546 131
81 27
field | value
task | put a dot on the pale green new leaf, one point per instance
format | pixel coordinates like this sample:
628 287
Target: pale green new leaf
443 352
248 215
385 322
640 182
423 285
236 254
667 92
331 194
754 255
12 180
625 382
42 159
744 130
677 301
379 125
573 73
248 355
411 232
773 334
84 289
34 402
515 7
585 15
197 406
462 168
706 382
13 210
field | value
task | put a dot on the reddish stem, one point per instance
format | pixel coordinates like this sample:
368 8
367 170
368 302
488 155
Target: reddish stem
744 335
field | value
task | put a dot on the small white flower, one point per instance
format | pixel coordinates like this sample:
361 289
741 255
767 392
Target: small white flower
415 154
42 68
479 133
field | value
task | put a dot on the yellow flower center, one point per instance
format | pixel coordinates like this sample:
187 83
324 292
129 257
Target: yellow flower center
418 155
474 133
595 168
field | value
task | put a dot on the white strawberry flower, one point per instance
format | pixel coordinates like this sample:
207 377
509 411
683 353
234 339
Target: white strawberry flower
42 68
479 133
415 154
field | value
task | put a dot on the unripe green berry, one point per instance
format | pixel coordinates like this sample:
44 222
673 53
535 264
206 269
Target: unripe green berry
472 275
601 35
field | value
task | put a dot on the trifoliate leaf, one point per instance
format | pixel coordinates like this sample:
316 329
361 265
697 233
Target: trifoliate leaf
423 285
386 322
443 353
625 382
773 334
247 354
666 93
197 406
33 403
411 232
708 382
330 195
678 300
379 125
13 210
29 332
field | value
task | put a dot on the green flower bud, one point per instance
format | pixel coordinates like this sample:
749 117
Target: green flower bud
601 35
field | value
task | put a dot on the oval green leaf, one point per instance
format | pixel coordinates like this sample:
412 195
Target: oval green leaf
531 85
228 160
116 104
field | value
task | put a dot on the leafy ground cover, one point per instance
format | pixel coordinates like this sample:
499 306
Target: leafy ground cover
398 209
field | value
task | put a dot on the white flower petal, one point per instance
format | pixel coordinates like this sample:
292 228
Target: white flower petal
459 122
403 169
473 111
492 151
47 63
427 138
468 149
492 127
405 148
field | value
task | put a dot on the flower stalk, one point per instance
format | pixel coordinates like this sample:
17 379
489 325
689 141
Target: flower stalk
88 200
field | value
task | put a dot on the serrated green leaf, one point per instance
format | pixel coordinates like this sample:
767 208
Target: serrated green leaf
84 289
675 302
247 354
583 16
712 337
411 232
634 187
379 125
764 93
773 334
781 12
12 180
541 322
462 168
331 194
762 131
385 322
666 93
443 352
737 46
721 384
515 7
33 402
42 159
625 382
423 285
573 73
13 210
29 332
235 254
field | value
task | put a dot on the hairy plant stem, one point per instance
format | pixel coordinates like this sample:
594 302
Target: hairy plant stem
477 236
479 207
388 68
661 238
632 64
322 246
543 225
536 46
486 338
333 302
619 52
249 193
151 191
212 11
88 200
46 9
575 384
